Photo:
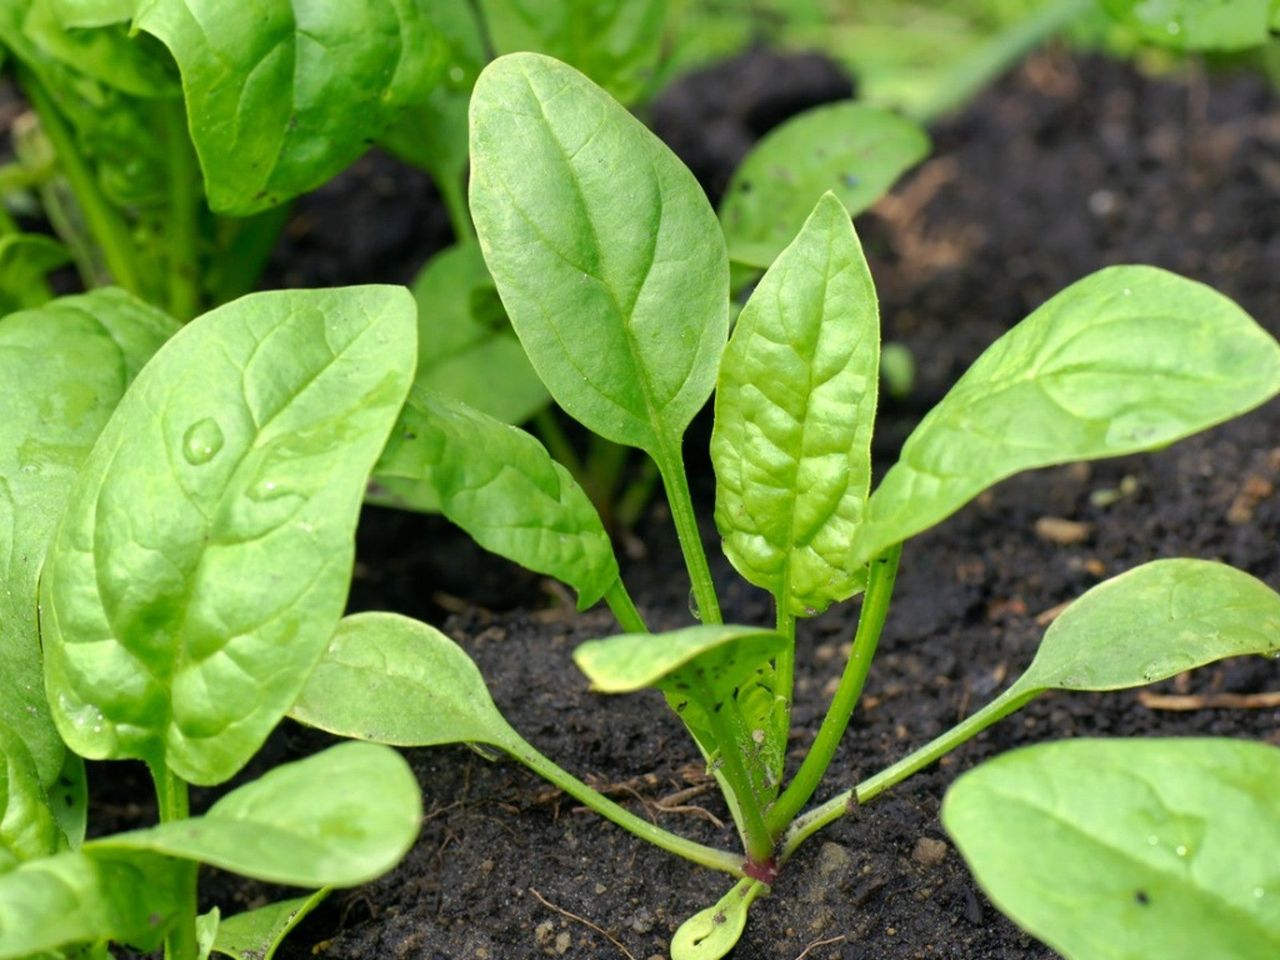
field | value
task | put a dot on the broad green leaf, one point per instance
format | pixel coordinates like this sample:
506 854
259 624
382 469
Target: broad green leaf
465 355
849 148
204 560
617 43
28 828
135 65
63 368
69 800
280 101
794 410
25 258
1197 24
1127 359
93 13
711 933
257 934
390 679
75 898
338 818
603 248
1119 849
500 485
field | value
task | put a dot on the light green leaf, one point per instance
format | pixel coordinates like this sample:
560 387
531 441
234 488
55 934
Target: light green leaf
795 407
1196 24
711 933
1119 849
206 932
69 800
465 355
74 898
203 563
280 101
617 43
28 828
849 148
390 679
1127 359
338 818
109 54
500 485
63 369
257 934
25 258
604 250
93 13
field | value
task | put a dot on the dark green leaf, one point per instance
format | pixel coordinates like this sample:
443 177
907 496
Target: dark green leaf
204 561
851 149
131 64
1117 849
25 258
794 410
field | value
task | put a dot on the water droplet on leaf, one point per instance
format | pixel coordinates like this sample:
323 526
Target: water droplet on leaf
202 441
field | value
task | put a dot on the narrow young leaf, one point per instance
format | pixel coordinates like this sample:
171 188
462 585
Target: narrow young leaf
390 679
281 100
711 933
617 43
603 247
794 411
28 828
1129 848
1127 359
467 356
63 368
257 934
338 818
849 148
204 560
500 485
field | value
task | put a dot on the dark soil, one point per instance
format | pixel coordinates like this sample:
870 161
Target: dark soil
1066 166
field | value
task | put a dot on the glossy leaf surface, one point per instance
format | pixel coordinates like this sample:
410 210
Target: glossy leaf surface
795 407
851 149
28 828
280 101
500 485
204 561
617 43
390 679
338 818
603 247
1115 849
257 934
63 369
1125 360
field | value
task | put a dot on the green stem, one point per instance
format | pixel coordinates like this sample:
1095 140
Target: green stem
7 224
556 441
109 229
785 662
710 857
183 225
731 746
804 827
875 606
624 609
455 204
171 793
671 466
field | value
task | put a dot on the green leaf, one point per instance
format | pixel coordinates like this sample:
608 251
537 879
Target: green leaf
617 43
794 410
257 934
338 818
1196 25
28 828
75 898
63 369
204 561
25 258
1129 848
466 356
390 679
500 485
93 13
280 101
69 800
603 248
109 54
711 933
1127 359
849 148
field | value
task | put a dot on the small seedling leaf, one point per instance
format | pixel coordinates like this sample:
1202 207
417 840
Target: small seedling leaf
711 933
257 934
1129 848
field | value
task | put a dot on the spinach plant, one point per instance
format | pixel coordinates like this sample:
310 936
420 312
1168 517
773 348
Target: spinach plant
193 495
614 272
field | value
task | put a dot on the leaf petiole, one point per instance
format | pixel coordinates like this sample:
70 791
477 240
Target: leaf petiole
180 943
624 608
671 466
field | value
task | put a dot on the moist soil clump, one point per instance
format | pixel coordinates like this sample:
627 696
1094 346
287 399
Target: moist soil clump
1067 165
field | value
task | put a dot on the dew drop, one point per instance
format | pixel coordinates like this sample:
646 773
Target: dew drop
265 490
693 606
1173 27
1153 840
1128 292
1257 892
202 441
1180 850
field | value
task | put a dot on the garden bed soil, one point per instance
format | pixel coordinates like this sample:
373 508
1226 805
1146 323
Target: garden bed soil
1067 165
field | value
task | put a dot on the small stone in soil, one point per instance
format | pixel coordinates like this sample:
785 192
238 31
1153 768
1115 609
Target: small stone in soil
929 852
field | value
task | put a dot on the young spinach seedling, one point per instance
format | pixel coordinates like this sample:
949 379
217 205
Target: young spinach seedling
614 272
